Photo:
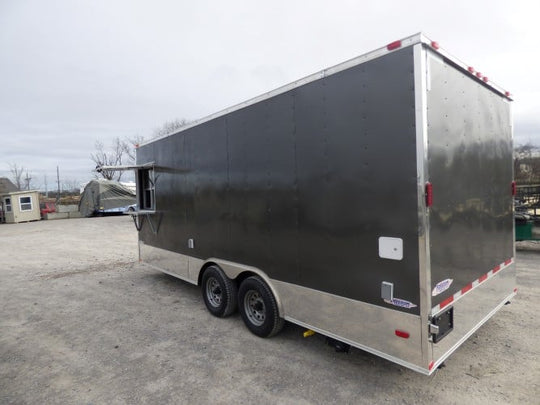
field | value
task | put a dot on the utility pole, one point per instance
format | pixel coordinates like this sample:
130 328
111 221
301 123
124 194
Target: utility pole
27 179
46 188
58 181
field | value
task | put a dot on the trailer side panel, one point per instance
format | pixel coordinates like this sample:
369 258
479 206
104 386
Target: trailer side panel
302 185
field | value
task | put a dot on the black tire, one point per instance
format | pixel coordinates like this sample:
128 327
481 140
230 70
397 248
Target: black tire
258 307
219 292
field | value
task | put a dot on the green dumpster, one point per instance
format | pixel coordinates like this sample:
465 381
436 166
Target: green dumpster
524 227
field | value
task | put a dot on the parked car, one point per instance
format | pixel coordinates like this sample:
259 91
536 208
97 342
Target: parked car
130 209
46 208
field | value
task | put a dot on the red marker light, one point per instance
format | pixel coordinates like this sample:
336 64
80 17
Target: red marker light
515 290
507 94
434 45
402 334
393 45
485 78
478 74
514 188
471 69
429 194
431 365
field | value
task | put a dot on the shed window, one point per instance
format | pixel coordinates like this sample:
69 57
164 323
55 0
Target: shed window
25 203
145 187
8 204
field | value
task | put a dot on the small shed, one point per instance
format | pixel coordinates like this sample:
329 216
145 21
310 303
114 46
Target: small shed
21 206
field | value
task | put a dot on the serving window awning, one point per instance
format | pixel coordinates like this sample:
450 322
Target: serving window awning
149 165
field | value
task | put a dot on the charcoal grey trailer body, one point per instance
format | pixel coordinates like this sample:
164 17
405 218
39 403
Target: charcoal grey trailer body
370 202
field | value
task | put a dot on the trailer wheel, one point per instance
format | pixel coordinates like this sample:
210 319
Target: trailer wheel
219 292
258 308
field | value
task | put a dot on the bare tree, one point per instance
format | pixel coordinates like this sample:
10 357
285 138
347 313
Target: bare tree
133 143
527 163
70 185
122 151
116 156
524 151
170 127
17 175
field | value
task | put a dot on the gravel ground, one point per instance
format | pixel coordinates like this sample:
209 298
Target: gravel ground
82 322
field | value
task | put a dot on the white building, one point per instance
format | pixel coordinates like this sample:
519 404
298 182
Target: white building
20 206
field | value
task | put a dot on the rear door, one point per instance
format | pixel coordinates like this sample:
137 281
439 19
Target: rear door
470 168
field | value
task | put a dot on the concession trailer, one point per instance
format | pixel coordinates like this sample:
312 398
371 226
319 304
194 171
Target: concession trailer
371 202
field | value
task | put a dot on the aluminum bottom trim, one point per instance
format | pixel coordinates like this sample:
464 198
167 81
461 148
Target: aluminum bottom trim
474 309
170 273
456 345
357 345
365 326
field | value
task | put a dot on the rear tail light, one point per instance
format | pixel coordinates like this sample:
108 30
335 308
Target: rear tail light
429 194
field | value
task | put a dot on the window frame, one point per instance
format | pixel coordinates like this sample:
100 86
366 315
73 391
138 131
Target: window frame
30 203
146 189
8 204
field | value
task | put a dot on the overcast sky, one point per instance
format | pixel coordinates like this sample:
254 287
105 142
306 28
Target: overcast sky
73 72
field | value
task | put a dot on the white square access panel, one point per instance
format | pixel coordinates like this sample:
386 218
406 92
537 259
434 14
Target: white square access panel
390 248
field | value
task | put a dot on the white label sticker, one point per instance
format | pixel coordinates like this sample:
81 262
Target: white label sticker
442 286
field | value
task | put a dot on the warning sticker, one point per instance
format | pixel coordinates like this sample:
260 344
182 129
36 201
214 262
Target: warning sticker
398 302
441 287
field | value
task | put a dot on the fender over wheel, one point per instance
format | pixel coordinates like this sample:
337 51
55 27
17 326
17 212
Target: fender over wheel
258 307
219 292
